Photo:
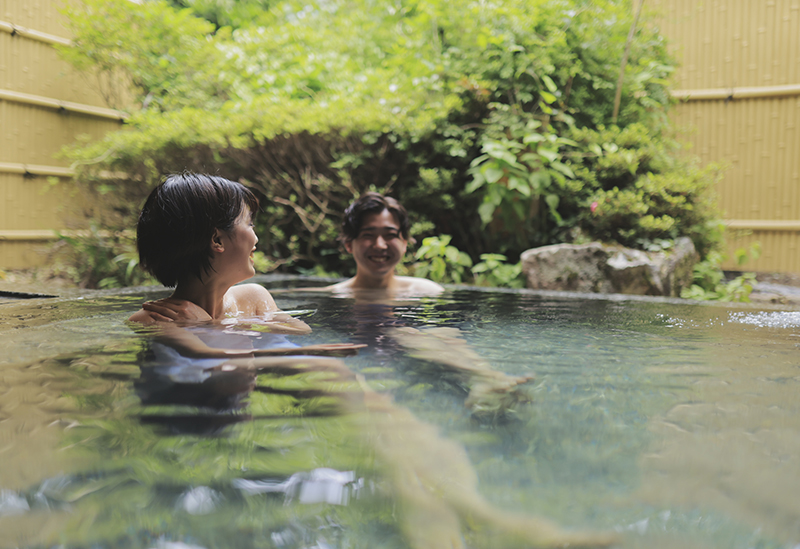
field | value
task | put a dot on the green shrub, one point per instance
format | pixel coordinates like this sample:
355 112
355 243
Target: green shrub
98 259
521 178
494 271
624 185
441 262
638 189
461 110
709 282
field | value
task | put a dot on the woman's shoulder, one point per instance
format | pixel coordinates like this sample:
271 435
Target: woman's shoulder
142 317
248 289
251 298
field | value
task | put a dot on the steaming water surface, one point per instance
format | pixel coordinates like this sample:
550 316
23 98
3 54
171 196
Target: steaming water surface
675 424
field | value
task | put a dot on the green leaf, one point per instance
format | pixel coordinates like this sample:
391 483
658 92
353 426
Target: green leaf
477 182
479 160
493 257
552 201
549 155
548 97
531 159
549 83
539 180
492 175
533 138
486 212
563 168
504 156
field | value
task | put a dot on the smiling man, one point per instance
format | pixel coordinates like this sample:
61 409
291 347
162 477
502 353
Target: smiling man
375 230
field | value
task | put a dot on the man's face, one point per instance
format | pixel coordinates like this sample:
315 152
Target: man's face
379 246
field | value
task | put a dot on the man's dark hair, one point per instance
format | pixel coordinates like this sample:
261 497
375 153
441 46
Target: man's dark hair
372 203
178 219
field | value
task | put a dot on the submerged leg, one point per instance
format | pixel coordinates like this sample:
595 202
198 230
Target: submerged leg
432 479
491 393
436 488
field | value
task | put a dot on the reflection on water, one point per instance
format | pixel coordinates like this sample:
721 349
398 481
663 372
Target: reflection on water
676 425
737 428
768 319
321 485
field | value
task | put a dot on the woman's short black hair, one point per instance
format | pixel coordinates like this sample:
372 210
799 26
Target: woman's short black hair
178 219
370 203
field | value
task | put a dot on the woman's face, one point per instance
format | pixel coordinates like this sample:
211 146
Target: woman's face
239 243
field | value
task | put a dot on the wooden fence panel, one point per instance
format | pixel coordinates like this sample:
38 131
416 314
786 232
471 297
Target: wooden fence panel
44 105
739 85
35 135
34 67
39 15
28 206
731 43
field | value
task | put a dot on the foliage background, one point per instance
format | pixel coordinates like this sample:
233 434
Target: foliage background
490 121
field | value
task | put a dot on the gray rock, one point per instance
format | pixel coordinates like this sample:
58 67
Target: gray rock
677 266
603 268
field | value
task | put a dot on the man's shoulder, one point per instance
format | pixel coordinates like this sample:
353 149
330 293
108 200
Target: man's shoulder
345 286
418 286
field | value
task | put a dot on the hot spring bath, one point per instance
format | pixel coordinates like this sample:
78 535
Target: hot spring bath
671 423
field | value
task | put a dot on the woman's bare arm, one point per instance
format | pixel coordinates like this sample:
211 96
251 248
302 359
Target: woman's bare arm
169 314
250 300
189 345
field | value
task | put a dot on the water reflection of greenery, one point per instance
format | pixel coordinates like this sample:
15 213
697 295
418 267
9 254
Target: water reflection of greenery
141 462
132 470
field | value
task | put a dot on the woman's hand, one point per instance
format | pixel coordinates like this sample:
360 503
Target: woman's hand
170 310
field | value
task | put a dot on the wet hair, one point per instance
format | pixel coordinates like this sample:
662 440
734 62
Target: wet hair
178 220
372 203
